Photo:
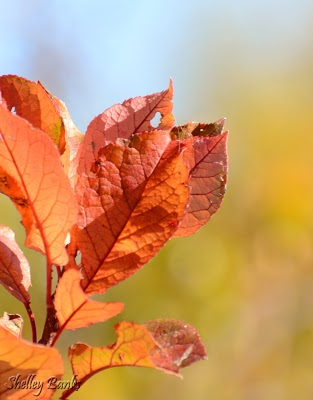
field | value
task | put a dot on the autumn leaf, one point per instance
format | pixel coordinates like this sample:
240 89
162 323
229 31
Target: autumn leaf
31 174
130 204
207 159
178 345
14 268
21 358
75 309
33 102
123 120
12 322
167 345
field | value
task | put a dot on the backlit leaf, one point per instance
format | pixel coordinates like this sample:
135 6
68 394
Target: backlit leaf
33 102
21 358
130 204
31 174
14 268
167 345
123 120
75 309
207 159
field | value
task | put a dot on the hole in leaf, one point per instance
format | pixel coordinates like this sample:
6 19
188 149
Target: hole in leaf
156 120
13 110
78 258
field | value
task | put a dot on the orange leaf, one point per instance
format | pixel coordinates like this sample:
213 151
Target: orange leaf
45 111
31 174
129 206
21 360
12 322
167 345
75 309
14 268
123 120
207 159
33 102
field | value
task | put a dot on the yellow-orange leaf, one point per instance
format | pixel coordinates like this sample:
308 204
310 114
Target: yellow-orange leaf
75 309
129 206
123 120
132 348
14 268
167 345
21 359
31 174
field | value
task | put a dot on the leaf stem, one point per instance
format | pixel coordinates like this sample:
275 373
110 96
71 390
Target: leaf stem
68 392
49 284
32 321
59 272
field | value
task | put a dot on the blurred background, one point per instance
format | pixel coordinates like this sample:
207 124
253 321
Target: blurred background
245 281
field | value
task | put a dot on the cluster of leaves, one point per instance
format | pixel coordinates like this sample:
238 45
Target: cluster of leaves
114 196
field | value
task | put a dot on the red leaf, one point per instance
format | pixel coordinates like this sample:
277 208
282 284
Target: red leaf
22 358
31 174
14 268
167 345
124 120
178 344
129 206
207 159
75 309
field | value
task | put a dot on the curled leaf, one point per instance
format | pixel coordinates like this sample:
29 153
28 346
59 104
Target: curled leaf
124 120
75 309
13 323
167 345
14 268
31 174
129 206
20 359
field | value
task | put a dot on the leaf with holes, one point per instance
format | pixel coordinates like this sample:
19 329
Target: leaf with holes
99 207
124 120
206 157
167 345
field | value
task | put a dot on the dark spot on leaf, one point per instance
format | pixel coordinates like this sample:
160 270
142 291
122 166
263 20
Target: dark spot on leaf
20 201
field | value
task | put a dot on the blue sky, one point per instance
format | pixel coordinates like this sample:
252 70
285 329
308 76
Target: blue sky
94 54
